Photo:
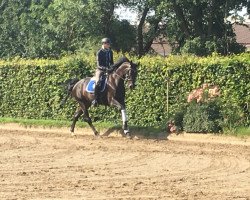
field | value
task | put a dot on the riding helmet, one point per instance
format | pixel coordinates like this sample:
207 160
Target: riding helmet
106 40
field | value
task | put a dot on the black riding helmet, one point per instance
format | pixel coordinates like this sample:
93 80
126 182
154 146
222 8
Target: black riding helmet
106 40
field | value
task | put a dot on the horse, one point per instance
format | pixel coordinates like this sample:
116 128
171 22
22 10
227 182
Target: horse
113 95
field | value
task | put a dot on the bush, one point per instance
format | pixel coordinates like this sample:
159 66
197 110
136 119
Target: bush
203 118
179 116
233 117
31 88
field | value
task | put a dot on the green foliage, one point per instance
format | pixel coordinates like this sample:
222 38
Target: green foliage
51 29
32 88
201 47
199 27
203 118
242 131
179 116
123 36
233 117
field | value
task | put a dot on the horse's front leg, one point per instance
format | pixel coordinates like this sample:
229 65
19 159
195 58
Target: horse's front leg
125 122
122 108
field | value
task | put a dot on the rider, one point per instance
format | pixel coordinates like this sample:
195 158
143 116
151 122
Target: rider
104 64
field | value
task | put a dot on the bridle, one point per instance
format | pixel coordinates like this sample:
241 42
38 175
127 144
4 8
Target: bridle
128 76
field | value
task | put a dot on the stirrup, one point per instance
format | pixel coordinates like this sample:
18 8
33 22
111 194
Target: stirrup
94 102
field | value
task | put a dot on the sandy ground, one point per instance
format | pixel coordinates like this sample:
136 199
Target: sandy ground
49 164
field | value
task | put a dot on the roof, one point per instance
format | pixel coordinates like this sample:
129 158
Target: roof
163 49
242 33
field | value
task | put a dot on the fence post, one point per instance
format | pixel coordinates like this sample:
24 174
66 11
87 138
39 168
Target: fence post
167 79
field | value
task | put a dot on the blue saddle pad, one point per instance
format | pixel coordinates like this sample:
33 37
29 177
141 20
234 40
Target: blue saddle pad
91 85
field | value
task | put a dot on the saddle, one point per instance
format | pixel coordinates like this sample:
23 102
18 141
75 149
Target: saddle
92 84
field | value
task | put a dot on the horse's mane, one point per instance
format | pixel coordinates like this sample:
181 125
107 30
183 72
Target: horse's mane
120 62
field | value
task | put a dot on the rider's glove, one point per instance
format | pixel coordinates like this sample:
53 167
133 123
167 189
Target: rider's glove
110 70
102 68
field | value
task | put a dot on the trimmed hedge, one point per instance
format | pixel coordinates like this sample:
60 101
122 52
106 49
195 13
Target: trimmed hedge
31 88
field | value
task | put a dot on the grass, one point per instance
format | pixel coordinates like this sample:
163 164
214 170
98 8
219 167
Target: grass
146 131
239 131
243 131
51 123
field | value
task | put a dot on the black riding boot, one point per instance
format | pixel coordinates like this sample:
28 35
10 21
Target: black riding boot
95 101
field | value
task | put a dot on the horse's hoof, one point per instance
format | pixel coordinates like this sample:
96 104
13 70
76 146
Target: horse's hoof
73 135
128 136
97 136
136 138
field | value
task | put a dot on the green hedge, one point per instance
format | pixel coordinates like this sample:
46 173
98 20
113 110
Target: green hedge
31 88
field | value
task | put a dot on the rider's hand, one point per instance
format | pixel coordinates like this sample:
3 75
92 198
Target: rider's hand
102 68
110 70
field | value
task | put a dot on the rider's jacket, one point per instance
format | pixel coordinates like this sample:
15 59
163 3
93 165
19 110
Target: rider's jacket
104 59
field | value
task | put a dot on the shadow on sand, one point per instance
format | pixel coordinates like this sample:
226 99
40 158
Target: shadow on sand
139 132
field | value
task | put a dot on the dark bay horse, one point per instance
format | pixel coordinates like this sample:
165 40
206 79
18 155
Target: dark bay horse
113 95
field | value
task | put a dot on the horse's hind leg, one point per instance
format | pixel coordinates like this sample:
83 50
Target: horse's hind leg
77 114
87 119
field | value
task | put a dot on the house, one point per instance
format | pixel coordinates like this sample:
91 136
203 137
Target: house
162 47
242 34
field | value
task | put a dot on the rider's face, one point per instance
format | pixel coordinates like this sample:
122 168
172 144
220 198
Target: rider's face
106 45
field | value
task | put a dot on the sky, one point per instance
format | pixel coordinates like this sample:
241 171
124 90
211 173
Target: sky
126 13
131 16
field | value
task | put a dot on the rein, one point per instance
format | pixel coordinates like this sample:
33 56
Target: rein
121 76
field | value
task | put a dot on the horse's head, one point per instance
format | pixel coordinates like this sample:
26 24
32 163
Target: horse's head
126 70
132 75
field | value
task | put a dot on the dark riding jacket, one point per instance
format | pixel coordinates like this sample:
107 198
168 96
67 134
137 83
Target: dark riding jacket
104 59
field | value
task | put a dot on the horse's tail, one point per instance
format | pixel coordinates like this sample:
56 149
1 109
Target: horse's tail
69 85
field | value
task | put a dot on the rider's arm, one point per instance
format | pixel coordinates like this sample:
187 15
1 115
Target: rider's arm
111 58
98 58
112 66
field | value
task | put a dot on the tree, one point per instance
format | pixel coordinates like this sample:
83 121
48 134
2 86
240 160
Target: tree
123 36
21 24
35 42
149 18
50 28
66 29
201 25
10 29
106 24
